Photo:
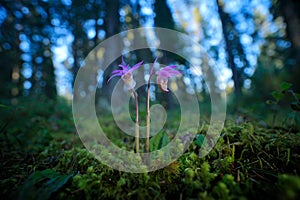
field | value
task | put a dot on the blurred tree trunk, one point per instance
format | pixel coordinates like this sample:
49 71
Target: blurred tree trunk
80 46
164 19
10 53
111 27
225 19
49 77
38 31
141 54
76 16
290 11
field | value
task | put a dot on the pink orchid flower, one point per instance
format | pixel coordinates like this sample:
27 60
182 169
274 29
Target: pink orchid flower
163 74
126 74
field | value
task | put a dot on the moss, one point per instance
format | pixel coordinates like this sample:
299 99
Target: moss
250 160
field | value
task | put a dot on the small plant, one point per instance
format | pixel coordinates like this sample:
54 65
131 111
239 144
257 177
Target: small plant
49 181
162 80
285 88
279 95
248 161
129 84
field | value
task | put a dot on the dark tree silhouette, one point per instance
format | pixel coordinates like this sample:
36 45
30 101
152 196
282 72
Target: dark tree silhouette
234 50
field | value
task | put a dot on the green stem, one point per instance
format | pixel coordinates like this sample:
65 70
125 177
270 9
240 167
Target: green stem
148 108
137 132
148 117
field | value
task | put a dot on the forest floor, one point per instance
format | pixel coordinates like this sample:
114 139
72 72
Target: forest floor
42 157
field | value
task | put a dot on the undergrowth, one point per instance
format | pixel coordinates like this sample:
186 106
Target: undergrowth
42 158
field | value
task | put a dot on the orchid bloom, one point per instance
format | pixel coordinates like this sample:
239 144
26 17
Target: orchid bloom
162 76
126 74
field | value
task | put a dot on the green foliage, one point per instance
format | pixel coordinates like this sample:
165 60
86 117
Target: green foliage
277 95
285 86
158 141
289 186
199 140
248 160
42 184
285 95
285 89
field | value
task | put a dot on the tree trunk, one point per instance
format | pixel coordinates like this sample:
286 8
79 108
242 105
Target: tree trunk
164 19
112 27
229 48
289 10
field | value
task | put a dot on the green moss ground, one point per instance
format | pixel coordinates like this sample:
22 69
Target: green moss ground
42 158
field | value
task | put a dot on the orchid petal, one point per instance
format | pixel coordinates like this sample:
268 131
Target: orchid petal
124 67
135 66
168 72
117 71
169 67
126 74
113 76
173 73
163 74
123 62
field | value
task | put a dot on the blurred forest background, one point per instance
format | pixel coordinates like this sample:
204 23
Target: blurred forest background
255 46
255 43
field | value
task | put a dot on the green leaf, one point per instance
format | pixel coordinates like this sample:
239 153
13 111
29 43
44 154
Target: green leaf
277 95
200 139
285 86
41 184
158 141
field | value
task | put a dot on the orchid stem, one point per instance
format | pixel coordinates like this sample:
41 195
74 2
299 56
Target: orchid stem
148 108
137 132
148 117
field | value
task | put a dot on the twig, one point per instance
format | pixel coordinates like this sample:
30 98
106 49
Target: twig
294 95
